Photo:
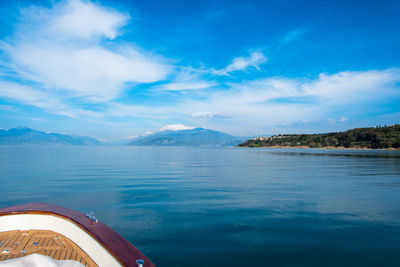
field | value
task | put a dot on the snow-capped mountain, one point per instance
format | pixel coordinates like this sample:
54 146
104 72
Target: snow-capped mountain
181 135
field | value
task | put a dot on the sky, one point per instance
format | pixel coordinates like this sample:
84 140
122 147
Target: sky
114 69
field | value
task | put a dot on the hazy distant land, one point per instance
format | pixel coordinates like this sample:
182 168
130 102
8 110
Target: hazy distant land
24 136
386 137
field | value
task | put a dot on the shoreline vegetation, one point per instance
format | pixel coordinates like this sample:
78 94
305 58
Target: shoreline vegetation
379 137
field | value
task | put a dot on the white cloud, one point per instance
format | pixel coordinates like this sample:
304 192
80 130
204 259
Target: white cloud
30 96
7 108
147 133
94 72
324 91
187 79
209 115
265 103
85 20
45 100
73 58
277 99
180 86
350 86
22 93
175 127
272 103
242 63
294 35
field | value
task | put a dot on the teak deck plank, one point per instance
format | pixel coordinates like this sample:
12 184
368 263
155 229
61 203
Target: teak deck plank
62 255
57 255
54 245
73 255
52 252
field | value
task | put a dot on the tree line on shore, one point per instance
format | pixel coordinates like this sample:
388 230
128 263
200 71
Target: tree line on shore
380 137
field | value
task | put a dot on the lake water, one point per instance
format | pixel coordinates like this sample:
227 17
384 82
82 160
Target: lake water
194 206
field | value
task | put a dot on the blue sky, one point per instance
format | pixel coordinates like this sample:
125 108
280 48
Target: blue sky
113 69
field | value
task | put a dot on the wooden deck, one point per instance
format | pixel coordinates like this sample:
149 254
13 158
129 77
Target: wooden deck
119 247
15 244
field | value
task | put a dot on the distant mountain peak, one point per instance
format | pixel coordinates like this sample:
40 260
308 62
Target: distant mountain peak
181 135
176 127
21 127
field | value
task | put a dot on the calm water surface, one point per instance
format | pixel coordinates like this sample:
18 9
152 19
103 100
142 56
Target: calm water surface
188 206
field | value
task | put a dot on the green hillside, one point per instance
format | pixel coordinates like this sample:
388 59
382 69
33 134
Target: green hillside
376 138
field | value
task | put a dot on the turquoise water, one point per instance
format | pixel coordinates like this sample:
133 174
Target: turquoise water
188 206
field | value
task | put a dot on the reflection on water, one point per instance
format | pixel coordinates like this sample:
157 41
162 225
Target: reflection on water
334 153
187 206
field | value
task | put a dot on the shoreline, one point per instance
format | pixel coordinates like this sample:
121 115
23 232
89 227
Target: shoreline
328 147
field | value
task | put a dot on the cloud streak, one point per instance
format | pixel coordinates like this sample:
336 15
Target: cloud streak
294 35
41 99
243 63
209 115
187 79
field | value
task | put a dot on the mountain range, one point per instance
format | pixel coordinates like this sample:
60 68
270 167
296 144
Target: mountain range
181 135
22 135
170 135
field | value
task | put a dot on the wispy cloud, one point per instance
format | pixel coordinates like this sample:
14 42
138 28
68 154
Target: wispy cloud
187 79
255 59
294 35
175 127
47 101
209 115
181 86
